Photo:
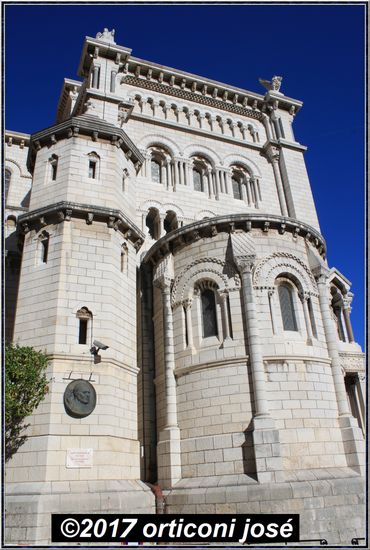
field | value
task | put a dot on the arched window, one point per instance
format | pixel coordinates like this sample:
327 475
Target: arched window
43 247
125 176
288 316
156 170
202 175
237 187
93 168
337 308
124 257
53 161
84 327
152 222
197 179
8 177
209 315
170 222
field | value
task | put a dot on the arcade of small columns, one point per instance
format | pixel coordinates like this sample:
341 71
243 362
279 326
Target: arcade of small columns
262 420
179 171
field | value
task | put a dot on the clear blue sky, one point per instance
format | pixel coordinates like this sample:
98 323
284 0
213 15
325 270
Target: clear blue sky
319 50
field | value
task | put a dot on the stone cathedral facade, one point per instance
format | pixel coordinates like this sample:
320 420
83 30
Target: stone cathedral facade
171 218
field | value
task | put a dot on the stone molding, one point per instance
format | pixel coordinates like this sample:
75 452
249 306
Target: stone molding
268 269
64 211
242 360
175 240
191 96
352 362
86 125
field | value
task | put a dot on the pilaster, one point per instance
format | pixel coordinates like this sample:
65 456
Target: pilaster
168 447
354 444
265 435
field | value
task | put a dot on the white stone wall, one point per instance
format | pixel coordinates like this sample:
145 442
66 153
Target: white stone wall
214 390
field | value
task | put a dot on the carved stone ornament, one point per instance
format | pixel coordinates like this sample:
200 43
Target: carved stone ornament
274 84
79 398
106 36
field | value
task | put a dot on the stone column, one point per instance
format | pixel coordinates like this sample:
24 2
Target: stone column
265 435
168 173
255 191
189 174
304 296
248 189
273 154
218 187
95 80
189 325
113 75
168 447
210 184
225 318
352 436
176 178
271 293
346 314
229 187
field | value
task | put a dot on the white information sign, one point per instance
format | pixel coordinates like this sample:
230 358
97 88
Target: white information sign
79 458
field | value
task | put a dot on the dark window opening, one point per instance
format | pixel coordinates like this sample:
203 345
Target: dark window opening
197 178
92 169
209 315
82 334
287 307
237 191
44 250
156 171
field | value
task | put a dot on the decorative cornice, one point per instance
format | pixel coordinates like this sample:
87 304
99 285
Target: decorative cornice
84 125
192 96
64 211
185 235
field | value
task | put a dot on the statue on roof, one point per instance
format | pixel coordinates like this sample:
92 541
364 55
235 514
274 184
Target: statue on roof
106 36
273 84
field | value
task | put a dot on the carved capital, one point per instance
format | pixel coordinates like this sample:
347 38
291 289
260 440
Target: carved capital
304 296
163 282
321 274
187 303
245 263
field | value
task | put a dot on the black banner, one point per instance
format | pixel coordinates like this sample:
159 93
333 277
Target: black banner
171 528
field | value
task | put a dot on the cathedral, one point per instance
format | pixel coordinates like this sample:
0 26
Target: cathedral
163 248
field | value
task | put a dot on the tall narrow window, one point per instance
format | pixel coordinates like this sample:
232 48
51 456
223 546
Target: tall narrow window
84 317
209 316
156 171
237 191
124 257
287 307
53 161
44 247
197 179
93 170
8 177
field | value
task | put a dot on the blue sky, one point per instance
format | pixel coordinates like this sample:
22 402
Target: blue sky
319 50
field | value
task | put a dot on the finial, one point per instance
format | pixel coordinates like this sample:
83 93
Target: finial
273 84
106 36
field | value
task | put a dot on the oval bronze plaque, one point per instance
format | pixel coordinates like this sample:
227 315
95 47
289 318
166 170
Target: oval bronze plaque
79 398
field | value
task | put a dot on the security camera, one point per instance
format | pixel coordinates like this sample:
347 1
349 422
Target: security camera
94 350
99 345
